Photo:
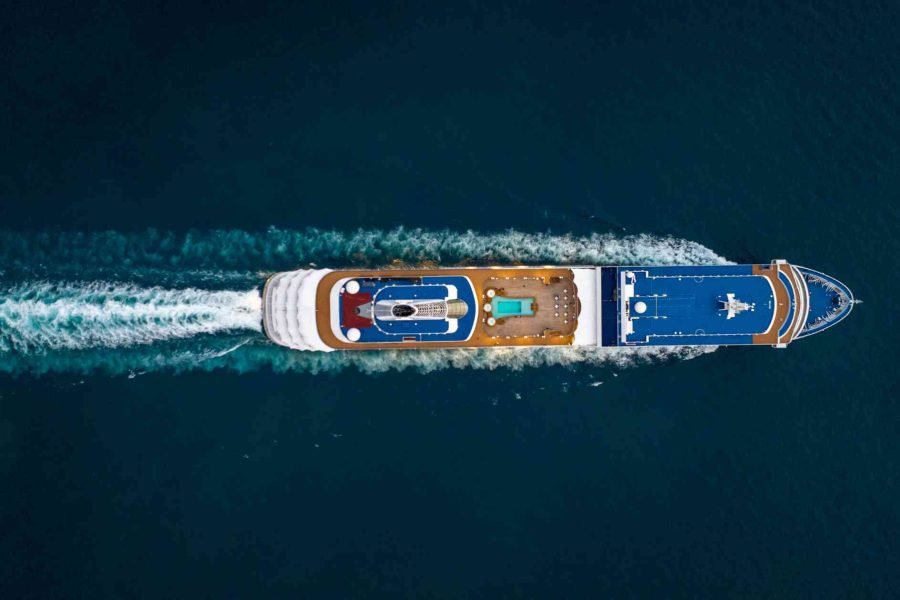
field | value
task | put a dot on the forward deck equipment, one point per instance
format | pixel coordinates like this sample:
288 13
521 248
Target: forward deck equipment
771 305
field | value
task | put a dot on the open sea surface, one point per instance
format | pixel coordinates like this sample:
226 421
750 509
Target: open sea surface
159 160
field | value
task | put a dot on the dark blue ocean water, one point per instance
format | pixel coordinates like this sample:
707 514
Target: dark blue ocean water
159 449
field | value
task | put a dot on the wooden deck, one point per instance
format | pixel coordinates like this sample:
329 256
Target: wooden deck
542 329
555 310
782 303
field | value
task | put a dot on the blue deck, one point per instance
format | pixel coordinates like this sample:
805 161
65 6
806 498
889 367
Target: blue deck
683 305
425 288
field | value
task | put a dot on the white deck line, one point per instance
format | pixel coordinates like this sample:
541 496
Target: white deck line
802 311
626 292
335 309
774 304
587 331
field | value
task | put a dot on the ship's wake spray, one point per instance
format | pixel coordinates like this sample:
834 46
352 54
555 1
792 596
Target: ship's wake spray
138 302
75 316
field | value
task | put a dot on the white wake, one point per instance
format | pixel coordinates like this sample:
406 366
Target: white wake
74 316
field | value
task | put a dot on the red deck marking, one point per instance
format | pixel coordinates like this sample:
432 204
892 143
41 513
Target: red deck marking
349 303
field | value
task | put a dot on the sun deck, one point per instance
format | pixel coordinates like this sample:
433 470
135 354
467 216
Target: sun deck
554 305
547 299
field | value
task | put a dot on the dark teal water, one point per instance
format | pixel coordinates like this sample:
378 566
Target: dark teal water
161 450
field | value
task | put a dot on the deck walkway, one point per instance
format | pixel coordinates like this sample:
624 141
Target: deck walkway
783 309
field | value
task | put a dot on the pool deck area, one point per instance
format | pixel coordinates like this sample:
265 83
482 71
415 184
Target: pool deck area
540 329
555 312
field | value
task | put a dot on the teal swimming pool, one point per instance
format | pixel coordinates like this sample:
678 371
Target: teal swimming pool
511 307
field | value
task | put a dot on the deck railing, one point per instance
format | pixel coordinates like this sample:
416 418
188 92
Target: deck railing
833 313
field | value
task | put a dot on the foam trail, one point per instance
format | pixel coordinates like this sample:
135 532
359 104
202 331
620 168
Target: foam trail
150 309
436 360
46 316
251 354
233 257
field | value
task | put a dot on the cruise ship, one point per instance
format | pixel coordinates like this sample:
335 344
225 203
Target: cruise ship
607 306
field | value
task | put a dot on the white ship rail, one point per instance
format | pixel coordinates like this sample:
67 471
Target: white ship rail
587 285
837 310
289 309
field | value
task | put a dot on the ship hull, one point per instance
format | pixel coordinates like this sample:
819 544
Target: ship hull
478 307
